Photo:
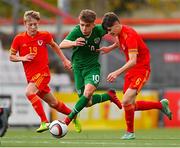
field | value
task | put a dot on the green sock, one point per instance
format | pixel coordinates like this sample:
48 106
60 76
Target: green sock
96 98
81 103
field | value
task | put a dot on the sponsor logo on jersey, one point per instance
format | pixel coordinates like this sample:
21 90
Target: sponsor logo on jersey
97 40
40 42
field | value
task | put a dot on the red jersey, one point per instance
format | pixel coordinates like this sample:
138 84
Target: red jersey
25 44
131 42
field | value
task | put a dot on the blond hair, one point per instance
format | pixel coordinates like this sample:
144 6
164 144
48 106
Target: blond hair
87 16
28 15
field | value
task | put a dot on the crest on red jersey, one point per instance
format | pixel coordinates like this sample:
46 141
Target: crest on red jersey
40 42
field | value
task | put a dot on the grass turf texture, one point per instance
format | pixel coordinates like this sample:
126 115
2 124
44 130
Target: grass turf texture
27 137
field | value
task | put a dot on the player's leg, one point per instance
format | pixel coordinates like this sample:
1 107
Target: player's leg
81 103
80 86
44 125
76 122
147 105
132 85
56 104
35 100
110 95
93 77
128 104
162 105
61 107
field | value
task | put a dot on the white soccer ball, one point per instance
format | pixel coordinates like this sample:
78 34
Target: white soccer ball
58 129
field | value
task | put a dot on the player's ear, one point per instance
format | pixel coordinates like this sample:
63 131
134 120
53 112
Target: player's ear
93 25
117 27
24 23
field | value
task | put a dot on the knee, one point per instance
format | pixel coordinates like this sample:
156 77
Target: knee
29 93
127 100
129 97
88 94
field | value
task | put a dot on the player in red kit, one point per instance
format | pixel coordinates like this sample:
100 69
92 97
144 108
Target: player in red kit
31 47
136 69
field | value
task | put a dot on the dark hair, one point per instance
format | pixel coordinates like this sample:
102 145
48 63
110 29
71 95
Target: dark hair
109 19
87 16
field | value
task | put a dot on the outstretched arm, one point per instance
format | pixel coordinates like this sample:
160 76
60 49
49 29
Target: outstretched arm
108 49
70 44
132 61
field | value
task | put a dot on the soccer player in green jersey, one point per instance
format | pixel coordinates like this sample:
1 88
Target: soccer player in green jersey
84 39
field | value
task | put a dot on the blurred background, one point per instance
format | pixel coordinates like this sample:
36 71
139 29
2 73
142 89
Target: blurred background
157 21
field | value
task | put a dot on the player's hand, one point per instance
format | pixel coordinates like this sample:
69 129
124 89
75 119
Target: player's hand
80 42
29 57
103 50
112 76
67 64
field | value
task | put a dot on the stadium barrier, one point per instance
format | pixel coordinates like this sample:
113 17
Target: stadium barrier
22 113
107 115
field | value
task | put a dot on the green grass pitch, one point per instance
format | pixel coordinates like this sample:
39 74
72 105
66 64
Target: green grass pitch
27 137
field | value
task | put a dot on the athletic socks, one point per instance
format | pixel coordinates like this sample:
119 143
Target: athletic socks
82 102
147 105
139 105
129 117
62 108
37 105
96 98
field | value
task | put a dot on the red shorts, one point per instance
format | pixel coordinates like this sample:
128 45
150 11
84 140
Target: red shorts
136 79
41 81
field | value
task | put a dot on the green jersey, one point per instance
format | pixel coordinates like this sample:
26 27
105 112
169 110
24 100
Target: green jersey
86 56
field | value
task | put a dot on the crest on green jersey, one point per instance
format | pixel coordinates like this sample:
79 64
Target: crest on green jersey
97 40
79 91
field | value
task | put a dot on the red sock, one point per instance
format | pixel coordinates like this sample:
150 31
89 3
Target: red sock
129 117
147 105
37 105
67 120
61 107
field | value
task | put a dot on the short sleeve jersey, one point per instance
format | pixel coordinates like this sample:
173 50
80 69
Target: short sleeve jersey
131 42
25 44
85 56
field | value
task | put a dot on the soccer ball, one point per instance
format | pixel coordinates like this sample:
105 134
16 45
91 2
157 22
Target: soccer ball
58 129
